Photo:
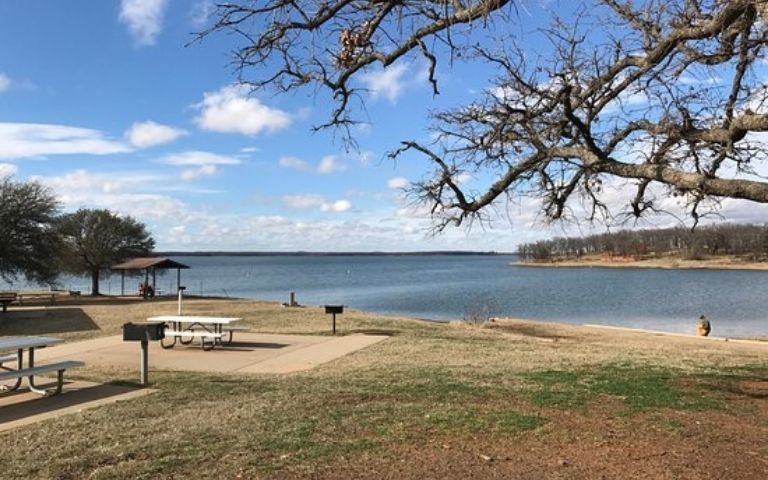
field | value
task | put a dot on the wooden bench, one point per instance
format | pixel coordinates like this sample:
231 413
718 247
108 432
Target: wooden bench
59 367
6 298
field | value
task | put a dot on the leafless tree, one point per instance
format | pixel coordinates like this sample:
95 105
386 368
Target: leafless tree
662 95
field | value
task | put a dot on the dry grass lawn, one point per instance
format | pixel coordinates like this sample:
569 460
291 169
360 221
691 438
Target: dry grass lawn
515 399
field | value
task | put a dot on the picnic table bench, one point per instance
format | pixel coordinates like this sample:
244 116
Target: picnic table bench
19 373
210 330
50 296
6 298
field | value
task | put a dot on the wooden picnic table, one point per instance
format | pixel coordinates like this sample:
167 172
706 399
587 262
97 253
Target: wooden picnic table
19 344
185 328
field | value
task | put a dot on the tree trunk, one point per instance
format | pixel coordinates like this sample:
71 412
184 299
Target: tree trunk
95 282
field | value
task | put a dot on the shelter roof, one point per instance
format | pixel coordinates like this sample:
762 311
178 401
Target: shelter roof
148 262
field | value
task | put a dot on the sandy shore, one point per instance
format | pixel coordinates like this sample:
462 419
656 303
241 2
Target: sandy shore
720 263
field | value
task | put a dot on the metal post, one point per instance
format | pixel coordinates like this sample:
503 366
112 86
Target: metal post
122 284
144 362
181 294
334 324
178 279
292 299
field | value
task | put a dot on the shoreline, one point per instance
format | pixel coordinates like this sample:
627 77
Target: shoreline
763 339
67 301
655 263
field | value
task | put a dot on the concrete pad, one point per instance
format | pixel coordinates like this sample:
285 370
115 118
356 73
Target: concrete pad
313 355
249 353
23 407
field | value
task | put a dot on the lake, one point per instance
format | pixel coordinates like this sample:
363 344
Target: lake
446 287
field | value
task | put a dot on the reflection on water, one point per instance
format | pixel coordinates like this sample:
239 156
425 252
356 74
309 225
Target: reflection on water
449 287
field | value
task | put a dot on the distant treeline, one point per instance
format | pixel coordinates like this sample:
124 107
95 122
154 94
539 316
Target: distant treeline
712 240
316 254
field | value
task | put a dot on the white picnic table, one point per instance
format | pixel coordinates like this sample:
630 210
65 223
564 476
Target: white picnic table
185 328
12 349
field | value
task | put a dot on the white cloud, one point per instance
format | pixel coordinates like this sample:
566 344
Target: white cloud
249 150
120 192
138 205
144 19
463 178
81 180
364 157
387 83
327 165
7 169
294 163
330 164
5 82
199 158
311 201
337 206
202 11
397 183
149 133
231 110
195 173
304 201
23 140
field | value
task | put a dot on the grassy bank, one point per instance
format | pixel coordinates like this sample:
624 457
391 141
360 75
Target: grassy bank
516 399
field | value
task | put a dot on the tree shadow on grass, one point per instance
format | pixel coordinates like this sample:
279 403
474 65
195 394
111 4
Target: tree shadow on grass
88 300
48 320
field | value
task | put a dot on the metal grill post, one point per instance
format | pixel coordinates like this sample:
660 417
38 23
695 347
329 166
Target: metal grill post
333 310
144 362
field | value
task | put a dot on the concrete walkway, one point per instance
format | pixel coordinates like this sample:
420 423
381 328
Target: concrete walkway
249 353
24 407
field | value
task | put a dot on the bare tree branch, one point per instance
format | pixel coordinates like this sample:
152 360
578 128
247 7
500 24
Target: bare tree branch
667 94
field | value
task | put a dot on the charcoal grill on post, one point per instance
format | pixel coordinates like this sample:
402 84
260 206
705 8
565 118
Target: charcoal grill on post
333 310
144 333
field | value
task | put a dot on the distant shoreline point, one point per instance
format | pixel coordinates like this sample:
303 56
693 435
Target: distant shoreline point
664 263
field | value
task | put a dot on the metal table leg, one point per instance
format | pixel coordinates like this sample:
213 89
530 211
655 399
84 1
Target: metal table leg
162 340
19 366
31 379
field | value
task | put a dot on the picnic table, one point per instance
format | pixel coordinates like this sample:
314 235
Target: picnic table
19 345
185 328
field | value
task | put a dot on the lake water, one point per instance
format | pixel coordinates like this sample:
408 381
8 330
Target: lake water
446 287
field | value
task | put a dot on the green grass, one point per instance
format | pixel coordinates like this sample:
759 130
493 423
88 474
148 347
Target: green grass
279 422
640 387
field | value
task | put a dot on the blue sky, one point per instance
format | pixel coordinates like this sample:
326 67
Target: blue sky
103 102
